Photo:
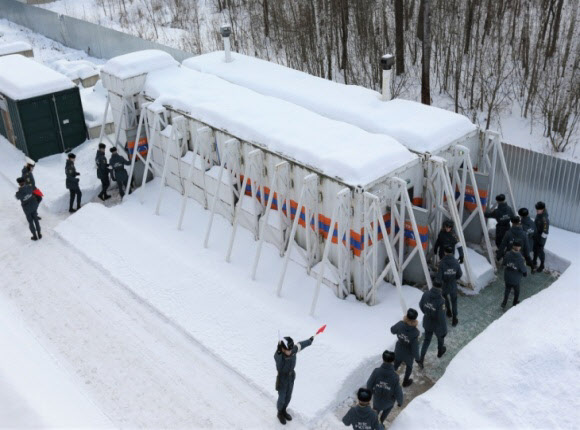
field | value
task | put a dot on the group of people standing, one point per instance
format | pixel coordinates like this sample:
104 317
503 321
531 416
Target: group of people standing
30 196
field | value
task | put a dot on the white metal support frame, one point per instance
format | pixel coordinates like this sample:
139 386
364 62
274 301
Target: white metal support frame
492 150
400 203
230 161
197 136
252 172
309 183
441 201
373 220
341 215
177 137
278 174
159 123
128 115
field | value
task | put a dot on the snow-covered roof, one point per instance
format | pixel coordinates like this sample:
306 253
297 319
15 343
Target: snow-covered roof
138 63
75 69
334 148
22 78
14 47
420 128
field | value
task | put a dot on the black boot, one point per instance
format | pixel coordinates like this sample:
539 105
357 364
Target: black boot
441 352
449 313
503 304
39 235
540 268
515 302
72 211
107 197
455 321
282 418
102 196
421 363
287 415
407 382
34 238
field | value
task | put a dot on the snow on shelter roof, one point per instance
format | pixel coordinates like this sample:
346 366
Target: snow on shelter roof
334 148
419 127
14 47
22 78
138 63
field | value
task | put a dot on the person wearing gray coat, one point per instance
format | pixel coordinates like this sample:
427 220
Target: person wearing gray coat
448 274
503 213
29 206
407 346
515 233
514 270
285 358
72 182
542 222
118 163
361 416
385 386
434 322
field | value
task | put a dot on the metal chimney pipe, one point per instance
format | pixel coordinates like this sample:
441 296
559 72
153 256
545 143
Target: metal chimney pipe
387 63
226 31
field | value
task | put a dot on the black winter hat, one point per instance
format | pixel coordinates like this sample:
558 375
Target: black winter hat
388 356
412 314
516 243
287 343
113 149
71 155
540 205
448 223
364 395
516 220
500 198
448 249
20 180
102 146
523 212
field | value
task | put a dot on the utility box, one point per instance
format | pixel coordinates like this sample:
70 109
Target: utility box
40 110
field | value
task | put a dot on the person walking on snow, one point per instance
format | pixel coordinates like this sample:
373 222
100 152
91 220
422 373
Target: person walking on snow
29 178
431 304
528 226
542 229
448 274
120 176
514 270
407 347
72 182
285 358
447 237
503 213
29 206
385 386
361 416
103 171
516 233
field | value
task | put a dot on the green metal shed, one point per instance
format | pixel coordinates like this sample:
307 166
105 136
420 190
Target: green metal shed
40 109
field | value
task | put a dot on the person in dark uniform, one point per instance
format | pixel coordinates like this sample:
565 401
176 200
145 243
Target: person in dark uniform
542 229
285 358
503 213
407 347
72 182
431 304
361 416
29 178
29 206
448 274
118 163
515 268
447 237
528 226
385 386
103 171
515 233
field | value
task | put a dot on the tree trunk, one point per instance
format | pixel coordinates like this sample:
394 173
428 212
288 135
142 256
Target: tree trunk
266 22
399 37
425 82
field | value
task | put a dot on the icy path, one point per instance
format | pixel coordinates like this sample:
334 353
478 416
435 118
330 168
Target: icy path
140 370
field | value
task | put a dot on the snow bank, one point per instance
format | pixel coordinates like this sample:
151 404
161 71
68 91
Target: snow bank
22 78
49 173
218 304
14 47
35 392
481 271
520 371
138 63
94 101
419 127
334 148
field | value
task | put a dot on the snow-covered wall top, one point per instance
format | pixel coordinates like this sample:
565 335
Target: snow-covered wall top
14 47
420 128
138 63
22 78
334 148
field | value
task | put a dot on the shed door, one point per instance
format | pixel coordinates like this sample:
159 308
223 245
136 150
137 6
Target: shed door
69 112
40 127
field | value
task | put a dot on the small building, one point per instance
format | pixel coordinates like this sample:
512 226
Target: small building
40 110
22 48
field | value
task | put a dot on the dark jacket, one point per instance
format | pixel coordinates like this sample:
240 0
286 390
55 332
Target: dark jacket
448 274
515 268
529 228
28 176
503 214
542 222
362 418
384 383
72 182
513 234
118 164
431 305
27 200
102 165
285 364
445 239
407 347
